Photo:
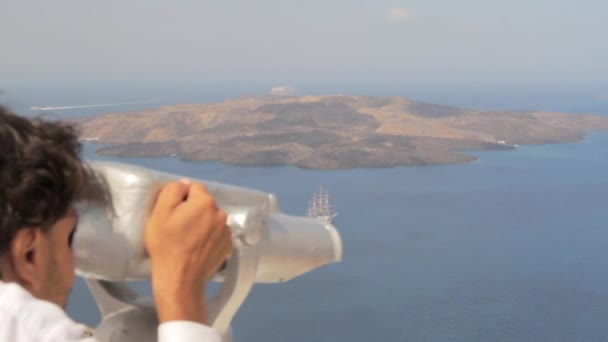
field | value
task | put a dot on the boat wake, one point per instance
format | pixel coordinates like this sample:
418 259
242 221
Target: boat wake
91 106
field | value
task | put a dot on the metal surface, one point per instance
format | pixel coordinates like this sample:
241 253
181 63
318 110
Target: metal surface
269 247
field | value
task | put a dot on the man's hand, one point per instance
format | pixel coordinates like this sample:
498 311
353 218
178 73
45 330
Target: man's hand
187 239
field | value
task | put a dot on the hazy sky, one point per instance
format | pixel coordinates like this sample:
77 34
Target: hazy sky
291 41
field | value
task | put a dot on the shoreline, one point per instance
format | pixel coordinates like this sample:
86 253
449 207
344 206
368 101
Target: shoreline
327 132
476 156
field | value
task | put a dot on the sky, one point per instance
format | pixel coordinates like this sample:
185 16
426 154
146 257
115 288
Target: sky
287 41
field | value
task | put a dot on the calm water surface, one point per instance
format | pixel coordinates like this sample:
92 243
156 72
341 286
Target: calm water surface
509 248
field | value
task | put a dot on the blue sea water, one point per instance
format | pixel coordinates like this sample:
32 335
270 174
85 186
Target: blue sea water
512 247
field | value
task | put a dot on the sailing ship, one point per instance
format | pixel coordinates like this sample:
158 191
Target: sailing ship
320 206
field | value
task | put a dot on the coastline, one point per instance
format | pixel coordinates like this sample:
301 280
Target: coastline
327 132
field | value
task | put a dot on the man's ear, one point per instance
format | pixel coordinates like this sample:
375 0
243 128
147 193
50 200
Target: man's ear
24 257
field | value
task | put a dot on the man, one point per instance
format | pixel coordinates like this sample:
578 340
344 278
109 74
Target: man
41 178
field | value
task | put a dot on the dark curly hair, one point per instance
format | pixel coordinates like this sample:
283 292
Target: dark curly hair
41 174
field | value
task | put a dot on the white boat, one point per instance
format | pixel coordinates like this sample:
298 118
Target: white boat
320 206
90 139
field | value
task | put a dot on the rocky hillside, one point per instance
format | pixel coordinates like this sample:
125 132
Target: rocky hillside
327 132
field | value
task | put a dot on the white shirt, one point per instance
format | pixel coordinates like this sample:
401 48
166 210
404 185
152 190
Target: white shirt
24 318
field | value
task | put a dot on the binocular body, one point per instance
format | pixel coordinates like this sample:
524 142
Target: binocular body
270 247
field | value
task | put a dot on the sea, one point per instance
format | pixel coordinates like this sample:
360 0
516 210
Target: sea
511 247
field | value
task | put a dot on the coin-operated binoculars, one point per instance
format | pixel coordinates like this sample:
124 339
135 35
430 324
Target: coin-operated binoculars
270 247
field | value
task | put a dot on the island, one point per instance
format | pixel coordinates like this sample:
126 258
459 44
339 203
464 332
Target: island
327 132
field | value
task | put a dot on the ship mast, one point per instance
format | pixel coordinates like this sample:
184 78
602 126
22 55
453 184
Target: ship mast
320 206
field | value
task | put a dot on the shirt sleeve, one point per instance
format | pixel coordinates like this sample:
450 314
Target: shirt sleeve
185 331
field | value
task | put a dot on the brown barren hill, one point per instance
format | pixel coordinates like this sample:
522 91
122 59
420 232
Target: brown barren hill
327 132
